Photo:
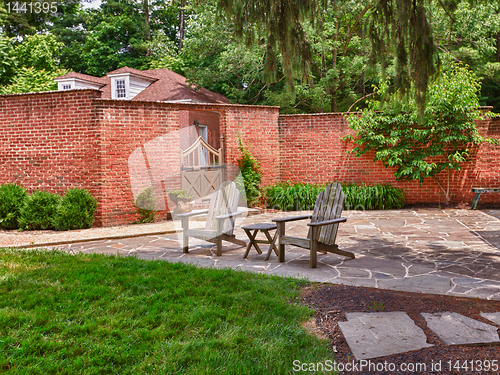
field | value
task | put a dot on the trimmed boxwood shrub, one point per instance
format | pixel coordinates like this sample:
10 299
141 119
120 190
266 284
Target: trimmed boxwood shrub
12 197
39 210
75 210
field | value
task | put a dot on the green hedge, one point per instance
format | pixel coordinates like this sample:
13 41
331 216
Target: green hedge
45 210
12 198
76 210
296 197
39 211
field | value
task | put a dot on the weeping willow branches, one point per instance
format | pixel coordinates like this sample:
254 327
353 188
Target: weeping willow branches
398 30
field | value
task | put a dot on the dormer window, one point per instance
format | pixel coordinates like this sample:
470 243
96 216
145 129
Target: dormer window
66 87
121 92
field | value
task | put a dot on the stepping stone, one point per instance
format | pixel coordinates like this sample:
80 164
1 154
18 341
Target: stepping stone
494 317
456 329
371 335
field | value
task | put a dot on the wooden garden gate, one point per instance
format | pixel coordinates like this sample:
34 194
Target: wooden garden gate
202 168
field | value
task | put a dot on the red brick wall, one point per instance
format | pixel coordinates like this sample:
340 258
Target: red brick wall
258 129
49 141
189 132
311 151
139 148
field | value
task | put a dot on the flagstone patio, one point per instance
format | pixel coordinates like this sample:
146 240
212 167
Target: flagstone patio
451 251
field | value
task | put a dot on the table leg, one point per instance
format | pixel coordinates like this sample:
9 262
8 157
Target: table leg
281 246
475 201
272 243
252 242
249 235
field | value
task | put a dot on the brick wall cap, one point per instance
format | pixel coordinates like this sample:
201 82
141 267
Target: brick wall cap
485 108
46 92
320 114
186 105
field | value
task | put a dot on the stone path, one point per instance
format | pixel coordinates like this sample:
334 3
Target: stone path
450 252
456 329
382 333
372 335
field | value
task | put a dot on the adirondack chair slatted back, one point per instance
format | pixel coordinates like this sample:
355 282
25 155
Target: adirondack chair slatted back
328 206
223 201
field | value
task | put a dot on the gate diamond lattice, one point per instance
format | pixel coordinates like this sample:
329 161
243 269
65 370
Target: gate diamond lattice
202 168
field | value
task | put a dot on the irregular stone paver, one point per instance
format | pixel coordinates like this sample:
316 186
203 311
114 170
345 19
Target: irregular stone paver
494 317
431 283
371 335
456 329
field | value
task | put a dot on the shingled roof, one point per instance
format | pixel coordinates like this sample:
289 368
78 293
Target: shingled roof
167 86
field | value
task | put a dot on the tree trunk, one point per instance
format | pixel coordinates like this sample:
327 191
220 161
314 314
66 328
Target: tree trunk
361 81
181 27
498 47
146 21
447 191
333 101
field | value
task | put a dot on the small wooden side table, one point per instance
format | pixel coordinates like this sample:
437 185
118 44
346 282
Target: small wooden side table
265 228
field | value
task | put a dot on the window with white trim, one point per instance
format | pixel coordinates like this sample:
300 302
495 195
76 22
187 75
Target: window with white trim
66 87
120 89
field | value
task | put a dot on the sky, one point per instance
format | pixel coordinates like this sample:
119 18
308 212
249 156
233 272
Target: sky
91 4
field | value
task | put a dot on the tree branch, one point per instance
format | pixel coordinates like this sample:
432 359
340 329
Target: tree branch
357 101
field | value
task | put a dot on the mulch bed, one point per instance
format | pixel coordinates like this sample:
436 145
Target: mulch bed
332 302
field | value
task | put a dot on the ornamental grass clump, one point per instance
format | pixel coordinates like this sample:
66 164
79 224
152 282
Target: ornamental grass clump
287 196
372 197
75 210
297 197
12 198
39 211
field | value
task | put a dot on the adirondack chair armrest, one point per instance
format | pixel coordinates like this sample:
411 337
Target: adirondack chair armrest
328 222
285 219
193 213
223 217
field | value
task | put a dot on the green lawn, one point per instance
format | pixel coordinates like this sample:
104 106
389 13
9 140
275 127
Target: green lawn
96 314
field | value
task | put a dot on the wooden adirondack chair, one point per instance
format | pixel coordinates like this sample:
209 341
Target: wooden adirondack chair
322 228
220 219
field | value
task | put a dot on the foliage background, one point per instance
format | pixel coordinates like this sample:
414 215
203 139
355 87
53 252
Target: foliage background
147 35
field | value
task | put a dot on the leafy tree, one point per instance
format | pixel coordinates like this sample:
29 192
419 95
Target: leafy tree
119 33
3 13
165 54
30 66
7 62
395 26
442 142
19 23
214 59
70 28
339 60
472 36
399 31
115 38
32 80
39 51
